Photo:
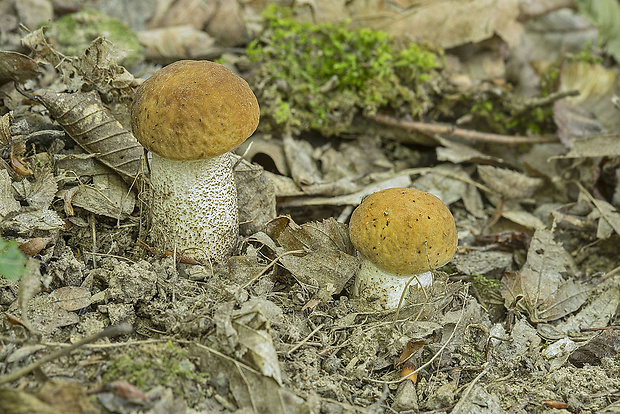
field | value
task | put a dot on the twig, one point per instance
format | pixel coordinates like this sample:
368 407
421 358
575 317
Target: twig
451 130
427 363
461 402
111 331
602 328
273 262
305 340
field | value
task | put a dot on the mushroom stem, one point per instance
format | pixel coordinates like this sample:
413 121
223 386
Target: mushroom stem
194 206
385 288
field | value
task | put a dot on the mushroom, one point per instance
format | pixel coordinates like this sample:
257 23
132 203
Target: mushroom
189 115
401 235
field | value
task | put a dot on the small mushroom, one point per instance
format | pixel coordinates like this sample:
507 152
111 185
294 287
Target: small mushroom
401 235
189 115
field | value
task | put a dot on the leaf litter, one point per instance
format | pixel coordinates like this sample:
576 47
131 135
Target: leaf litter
523 319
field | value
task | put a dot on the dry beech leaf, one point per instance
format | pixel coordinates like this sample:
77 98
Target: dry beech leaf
71 298
35 245
17 67
352 199
247 334
609 219
594 146
510 184
597 86
574 122
40 192
92 126
196 13
176 42
8 204
259 147
304 170
446 181
539 288
523 218
249 387
446 23
29 221
256 198
328 262
108 196
599 311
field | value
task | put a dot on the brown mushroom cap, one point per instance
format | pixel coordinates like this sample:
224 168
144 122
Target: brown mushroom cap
190 110
395 228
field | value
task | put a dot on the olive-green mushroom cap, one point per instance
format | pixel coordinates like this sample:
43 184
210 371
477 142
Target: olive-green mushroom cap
404 231
191 110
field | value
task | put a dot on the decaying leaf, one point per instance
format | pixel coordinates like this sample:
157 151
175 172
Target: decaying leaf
596 85
107 196
299 159
176 42
35 245
607 215
98 66
45 314
575 122
28 221
539 288
72 298
446 181
17 67
246 331
594 146
8 204
89 123
510 184
38 193
328 262
256 197
249 387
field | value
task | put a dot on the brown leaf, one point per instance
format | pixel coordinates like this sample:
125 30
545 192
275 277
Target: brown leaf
329 262
539 288
35 245
71 298
17 67
510 184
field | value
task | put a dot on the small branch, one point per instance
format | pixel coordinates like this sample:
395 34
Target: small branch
451 130
537 102
111 331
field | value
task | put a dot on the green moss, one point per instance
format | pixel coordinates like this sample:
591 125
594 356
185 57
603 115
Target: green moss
163 364
321 76
74 32
487 288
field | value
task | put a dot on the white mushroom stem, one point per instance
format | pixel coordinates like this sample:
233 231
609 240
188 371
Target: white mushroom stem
384 289
194 207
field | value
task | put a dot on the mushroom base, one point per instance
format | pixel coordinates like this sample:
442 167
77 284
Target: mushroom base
194 207
384 289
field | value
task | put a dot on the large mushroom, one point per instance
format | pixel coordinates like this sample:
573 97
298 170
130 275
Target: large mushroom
401 235
189 115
